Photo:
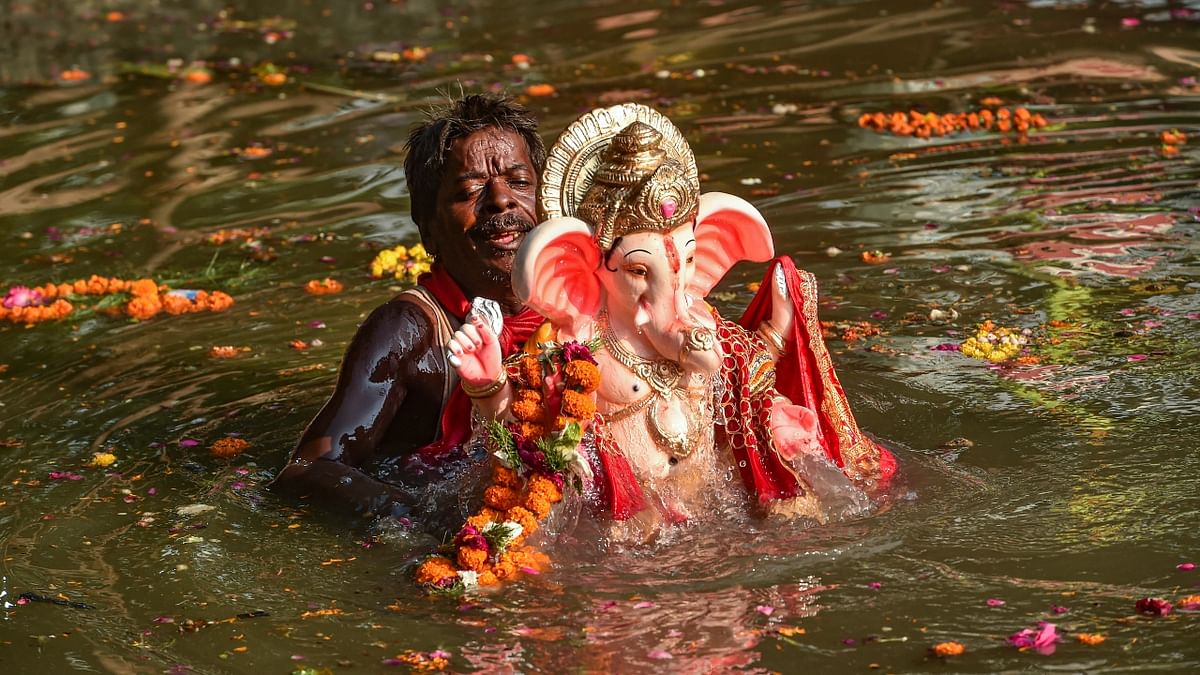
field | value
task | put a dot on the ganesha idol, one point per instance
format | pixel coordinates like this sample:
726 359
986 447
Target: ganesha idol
626 254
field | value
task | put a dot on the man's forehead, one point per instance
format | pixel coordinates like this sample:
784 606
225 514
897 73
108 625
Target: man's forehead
489 146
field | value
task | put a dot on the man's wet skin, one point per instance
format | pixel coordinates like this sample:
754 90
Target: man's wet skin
389 393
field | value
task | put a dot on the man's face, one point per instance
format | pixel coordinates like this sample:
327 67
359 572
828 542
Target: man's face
485 205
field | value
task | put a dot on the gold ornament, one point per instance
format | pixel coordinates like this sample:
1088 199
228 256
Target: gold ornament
621 169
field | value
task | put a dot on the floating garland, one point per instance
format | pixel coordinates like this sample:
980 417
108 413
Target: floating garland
405 263
995 344
926 125
533 459
147 298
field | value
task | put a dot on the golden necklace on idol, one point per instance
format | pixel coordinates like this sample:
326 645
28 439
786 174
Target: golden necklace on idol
671 412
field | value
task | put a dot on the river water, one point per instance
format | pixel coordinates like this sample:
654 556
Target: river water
1069 483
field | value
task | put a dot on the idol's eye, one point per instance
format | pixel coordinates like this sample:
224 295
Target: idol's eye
691 259
637 270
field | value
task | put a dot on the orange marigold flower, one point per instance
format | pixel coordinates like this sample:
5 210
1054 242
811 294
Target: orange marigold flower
1090 638
480 521
435 570
143 288
531 430
501 498
142 308
229 447
540 90
526 410
504 568
219 301
582 376
504 476
539 484
528 522
529 371
537 505
273 79
488 578
323 287
491 514
561 422
176 304
875 257
577 405
223 352
471 558
949 649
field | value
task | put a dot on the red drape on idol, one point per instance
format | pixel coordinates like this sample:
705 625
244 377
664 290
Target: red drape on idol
456 417
798 375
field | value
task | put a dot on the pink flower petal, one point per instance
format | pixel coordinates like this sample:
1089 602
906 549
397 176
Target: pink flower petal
645 604
875 585
995 602
1136 357
1185 567
1059 609
659 654
189 442
765 610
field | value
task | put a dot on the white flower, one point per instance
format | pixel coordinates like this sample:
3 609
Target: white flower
509 530
469 578
503 457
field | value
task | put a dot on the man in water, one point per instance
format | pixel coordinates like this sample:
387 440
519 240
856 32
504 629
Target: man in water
397 416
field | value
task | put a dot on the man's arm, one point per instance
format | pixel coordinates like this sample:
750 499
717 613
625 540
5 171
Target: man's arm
349 429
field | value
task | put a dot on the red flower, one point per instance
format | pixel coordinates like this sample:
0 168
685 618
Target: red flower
1153 606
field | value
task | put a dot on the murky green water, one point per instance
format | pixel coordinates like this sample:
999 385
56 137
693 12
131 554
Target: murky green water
1080 486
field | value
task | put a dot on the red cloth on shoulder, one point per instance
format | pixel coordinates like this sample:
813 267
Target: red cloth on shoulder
797 374
455 427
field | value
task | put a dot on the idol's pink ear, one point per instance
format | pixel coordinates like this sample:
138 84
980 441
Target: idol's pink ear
728 229
555 272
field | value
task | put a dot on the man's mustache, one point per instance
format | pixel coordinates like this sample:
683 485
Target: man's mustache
501 223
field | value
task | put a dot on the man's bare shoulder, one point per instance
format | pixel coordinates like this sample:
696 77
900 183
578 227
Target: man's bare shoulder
398 327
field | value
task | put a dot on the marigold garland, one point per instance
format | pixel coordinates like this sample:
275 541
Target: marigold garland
49 302
926 125
530 469
402 263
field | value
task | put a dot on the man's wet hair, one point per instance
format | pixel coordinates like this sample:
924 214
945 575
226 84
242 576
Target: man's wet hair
429 144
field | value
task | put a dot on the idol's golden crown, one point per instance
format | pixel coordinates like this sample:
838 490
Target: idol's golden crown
621 169
637 188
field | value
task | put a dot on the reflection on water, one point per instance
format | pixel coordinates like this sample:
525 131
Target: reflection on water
1065 483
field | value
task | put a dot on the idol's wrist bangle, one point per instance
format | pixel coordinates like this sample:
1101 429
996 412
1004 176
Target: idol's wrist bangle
487 390
772 337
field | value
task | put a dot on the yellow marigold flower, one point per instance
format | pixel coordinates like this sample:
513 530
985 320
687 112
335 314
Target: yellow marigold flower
1090 638
103 459
949 649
